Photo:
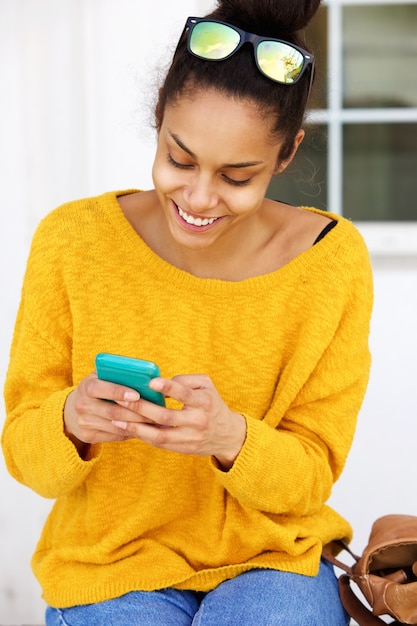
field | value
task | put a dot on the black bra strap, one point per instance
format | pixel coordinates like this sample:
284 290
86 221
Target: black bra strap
325 230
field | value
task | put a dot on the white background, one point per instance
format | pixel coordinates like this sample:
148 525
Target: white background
78 79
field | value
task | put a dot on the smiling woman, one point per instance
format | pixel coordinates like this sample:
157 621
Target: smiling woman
213 164
257 314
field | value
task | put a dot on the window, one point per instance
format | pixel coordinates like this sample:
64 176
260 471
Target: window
360 156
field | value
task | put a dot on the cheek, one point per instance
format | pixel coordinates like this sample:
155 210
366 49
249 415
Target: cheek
161 174
249 199
167 178
245 203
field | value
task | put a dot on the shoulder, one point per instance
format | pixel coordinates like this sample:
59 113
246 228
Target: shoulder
73 230
304 233
81 211
344 239
343 262
80 222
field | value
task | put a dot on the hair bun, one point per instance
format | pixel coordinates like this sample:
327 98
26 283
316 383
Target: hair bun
268 16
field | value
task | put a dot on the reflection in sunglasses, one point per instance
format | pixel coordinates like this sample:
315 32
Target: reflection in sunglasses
279 60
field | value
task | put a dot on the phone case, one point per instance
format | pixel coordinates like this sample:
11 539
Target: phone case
133 373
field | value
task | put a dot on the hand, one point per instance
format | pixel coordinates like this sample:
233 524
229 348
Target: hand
204 426
88 417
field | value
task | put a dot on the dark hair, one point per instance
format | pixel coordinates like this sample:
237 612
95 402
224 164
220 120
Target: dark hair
238 76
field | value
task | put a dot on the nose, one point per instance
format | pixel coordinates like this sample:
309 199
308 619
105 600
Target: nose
200 194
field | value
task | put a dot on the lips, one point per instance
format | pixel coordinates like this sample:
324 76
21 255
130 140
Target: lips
195 223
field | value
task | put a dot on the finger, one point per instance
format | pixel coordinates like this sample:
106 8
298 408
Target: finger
90 426
105 390
139 412
142 410
185 389
97 413
195 381
174 439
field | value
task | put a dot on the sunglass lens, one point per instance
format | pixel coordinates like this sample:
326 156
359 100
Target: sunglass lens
279 61
213 41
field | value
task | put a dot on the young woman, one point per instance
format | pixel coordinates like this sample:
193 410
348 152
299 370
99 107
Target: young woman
210 510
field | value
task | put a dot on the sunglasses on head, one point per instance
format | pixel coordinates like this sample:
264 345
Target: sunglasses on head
279 60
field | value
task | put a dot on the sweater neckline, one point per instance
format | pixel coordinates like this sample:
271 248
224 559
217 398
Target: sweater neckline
133 242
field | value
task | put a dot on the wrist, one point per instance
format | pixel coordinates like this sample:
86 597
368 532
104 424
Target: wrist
233 444
82 447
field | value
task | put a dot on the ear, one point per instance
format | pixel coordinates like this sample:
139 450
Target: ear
297 141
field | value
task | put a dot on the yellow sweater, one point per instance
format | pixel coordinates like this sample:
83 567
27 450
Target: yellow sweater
289 350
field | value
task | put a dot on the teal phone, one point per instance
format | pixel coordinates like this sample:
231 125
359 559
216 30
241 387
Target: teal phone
133 373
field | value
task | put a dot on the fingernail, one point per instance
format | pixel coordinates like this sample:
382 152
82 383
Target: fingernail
122 425
131 395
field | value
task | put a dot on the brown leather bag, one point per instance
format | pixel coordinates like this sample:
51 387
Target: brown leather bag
386 573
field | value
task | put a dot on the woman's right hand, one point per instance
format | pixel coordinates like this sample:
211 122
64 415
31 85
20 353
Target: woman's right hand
89 416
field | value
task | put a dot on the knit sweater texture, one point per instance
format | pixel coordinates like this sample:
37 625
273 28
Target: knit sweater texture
288 350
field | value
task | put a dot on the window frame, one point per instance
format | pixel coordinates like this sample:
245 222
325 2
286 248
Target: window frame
383 238
391 239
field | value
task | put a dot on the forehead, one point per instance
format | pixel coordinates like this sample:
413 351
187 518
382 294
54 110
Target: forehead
211 117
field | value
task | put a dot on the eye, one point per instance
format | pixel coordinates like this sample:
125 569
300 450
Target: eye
181 166
227 179
236 183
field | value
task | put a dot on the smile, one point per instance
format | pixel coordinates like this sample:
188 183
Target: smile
196 221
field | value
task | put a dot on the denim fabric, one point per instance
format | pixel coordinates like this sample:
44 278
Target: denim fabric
255 598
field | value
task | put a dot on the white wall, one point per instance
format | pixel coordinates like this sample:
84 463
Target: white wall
77 80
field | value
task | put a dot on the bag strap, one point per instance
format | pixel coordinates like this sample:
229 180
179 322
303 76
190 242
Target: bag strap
334 561
354 606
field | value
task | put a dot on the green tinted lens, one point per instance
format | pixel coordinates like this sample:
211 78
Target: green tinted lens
213 41
279 61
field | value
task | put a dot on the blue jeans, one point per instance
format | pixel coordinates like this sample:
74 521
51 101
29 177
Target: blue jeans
256 598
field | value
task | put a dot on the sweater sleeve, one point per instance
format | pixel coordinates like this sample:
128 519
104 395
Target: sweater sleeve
292 457
39 379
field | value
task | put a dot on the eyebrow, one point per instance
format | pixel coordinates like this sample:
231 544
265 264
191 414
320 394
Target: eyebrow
226 165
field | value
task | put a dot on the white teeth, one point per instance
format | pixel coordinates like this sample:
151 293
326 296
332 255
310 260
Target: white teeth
195 221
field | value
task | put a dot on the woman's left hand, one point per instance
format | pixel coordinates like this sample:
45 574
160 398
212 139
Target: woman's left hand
204 426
